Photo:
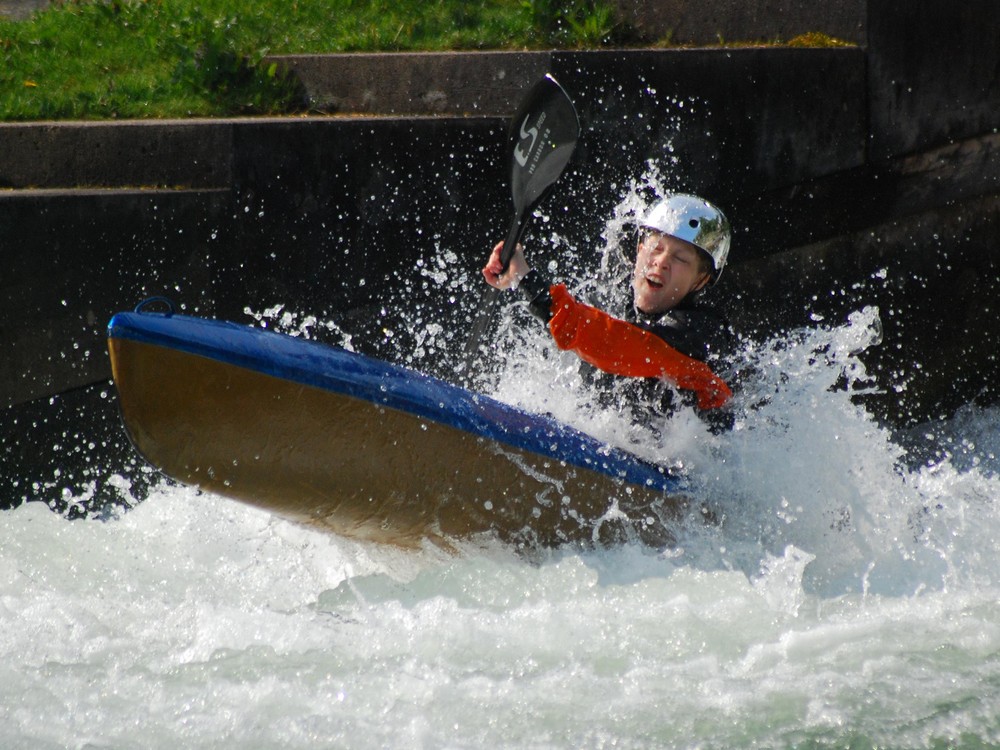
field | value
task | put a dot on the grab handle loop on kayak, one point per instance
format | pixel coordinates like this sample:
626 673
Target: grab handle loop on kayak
171 307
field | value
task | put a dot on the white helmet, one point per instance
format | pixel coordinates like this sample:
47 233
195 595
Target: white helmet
694 220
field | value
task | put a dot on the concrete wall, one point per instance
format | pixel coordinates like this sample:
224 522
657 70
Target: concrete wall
140 154
934 73
781 116
73 258
712 21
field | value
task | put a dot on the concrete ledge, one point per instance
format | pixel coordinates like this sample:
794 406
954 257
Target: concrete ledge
426 83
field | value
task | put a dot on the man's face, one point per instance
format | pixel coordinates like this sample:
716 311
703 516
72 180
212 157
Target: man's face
667 269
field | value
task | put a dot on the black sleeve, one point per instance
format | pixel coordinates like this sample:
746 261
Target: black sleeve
534 289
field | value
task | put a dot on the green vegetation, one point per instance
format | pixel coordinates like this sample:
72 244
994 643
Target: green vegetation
816 39
180 58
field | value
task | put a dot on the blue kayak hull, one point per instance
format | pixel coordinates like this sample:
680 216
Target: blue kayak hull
367 449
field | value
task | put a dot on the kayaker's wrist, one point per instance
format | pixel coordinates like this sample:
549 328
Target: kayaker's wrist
534 289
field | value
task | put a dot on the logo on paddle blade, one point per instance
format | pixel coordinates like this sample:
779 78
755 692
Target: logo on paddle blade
522 154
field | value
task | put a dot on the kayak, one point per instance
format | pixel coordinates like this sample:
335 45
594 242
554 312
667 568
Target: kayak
368 449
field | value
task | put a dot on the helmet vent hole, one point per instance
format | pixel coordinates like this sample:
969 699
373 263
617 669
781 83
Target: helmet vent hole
693 223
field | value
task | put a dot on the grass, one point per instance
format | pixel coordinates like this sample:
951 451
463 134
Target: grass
181 58
105 59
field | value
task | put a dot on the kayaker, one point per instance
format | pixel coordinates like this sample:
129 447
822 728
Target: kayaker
669 336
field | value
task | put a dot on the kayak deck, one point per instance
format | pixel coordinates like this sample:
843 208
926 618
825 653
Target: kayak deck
368 449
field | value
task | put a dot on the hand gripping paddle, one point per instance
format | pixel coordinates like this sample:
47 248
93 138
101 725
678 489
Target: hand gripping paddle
541 139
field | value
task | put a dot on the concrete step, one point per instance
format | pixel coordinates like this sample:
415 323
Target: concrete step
418 83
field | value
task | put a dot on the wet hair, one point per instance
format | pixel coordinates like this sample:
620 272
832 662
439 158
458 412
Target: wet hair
705 262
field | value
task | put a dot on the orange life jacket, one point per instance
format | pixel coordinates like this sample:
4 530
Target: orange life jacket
621 348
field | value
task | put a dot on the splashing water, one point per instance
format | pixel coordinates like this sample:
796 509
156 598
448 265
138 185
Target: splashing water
293 324
844 600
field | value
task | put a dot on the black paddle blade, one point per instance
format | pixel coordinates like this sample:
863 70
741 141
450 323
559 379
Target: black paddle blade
543 133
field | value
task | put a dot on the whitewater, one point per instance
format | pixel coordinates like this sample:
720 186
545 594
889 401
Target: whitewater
843 594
